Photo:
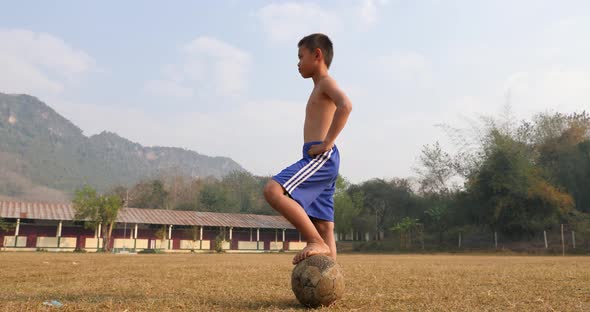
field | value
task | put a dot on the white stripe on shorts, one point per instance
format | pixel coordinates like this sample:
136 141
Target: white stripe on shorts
302 170
313 170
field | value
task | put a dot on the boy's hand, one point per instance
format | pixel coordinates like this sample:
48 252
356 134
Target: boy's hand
319 148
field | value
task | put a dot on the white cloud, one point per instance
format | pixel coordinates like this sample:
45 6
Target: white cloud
167 88
559 77
228 64
557 89
208 66
368 11
19 76
562 39
290 21
39 63
404 66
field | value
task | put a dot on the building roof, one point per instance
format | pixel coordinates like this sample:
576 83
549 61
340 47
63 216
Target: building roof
65 212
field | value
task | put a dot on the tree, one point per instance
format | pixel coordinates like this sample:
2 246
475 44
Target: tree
149 194
437 170
5 226
345 209
242 191
405 228
511 193
97 209
214 197
564 151
437 214
383 202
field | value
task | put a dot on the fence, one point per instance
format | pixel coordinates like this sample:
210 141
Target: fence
562 239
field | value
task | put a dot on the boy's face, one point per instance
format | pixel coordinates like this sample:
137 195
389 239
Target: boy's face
307 62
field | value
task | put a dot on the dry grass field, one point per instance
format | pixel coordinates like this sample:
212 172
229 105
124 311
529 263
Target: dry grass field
261 282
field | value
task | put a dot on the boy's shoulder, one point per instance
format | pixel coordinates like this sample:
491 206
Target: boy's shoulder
327 82
329 86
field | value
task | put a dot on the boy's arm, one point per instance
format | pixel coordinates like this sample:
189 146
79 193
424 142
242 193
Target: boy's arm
343 109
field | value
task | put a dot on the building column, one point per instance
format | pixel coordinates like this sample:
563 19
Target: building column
59 233
201 237
284 247
169 236
276 235
250 234
230 233
257 238
135 237
16 230
99 231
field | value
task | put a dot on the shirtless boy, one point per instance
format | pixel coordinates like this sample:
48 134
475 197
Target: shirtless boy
304 192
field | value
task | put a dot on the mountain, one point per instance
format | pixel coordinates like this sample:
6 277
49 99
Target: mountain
41 149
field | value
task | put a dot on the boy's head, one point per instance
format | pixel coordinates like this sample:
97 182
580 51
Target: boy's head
316 47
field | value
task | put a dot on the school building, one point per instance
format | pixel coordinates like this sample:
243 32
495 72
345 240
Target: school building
52 227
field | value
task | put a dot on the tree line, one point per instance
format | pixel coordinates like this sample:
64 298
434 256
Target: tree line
512 177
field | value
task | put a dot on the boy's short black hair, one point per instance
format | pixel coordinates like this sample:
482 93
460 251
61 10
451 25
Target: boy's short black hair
320 41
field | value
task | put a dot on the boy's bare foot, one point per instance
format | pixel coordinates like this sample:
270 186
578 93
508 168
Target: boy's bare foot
310 250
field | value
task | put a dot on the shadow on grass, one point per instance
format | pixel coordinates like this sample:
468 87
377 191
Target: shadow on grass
236 304
279 304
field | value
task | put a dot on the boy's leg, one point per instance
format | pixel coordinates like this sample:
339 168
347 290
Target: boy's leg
294 213
326 230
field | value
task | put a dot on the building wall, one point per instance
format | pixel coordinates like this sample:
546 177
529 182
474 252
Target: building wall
33 230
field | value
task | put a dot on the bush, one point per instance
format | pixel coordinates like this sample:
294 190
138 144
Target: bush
219 243
384 245
150 251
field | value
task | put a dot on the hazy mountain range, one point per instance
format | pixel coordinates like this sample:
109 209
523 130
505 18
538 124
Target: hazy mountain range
45 156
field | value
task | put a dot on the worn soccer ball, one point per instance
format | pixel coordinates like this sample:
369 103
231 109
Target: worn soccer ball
317 281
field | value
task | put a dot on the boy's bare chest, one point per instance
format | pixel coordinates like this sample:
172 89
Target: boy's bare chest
318 103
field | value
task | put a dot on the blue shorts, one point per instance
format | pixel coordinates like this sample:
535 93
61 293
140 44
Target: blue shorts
312 181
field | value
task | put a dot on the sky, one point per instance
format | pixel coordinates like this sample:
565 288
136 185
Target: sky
220 77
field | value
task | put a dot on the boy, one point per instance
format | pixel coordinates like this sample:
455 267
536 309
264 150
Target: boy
310 182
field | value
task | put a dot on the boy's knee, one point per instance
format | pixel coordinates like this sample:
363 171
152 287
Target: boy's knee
272 189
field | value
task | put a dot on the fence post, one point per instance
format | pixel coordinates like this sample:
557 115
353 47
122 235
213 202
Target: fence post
495 239
422 237
562 242
574 239
545 237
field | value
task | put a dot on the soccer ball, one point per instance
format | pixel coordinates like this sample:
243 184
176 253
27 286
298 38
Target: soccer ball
317 281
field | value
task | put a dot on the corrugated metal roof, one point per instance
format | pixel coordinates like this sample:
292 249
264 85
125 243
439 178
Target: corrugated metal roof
44 211
65 212
242 220
157 216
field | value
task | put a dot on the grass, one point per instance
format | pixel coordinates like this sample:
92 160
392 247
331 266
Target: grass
261 282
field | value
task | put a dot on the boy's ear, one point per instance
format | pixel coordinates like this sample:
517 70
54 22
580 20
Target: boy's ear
318 55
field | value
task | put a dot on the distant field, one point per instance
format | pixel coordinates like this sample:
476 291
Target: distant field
261 282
